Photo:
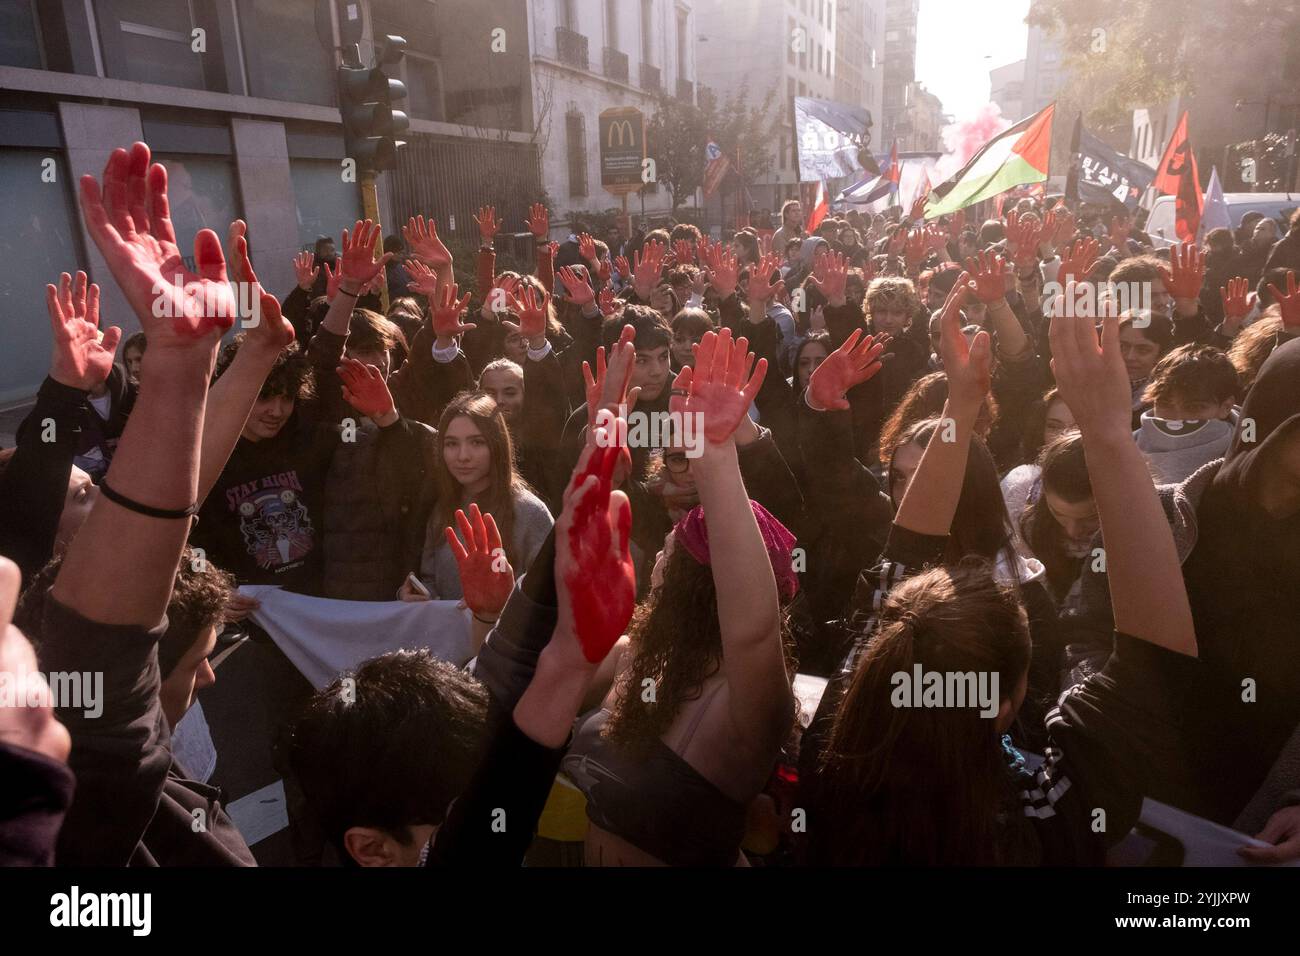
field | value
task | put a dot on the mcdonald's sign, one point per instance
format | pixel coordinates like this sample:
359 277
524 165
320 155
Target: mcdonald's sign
622 149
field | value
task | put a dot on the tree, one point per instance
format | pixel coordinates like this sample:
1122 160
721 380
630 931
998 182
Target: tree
1124 54
675 139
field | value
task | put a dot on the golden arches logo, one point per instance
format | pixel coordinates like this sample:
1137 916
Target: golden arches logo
624 128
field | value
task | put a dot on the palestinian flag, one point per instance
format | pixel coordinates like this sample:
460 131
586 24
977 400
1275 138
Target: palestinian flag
1013 158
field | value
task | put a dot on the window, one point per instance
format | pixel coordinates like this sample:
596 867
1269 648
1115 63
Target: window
647 32
576 135
152 41
286 60
323 200
423 87
203 195
40 242
611 24
20 43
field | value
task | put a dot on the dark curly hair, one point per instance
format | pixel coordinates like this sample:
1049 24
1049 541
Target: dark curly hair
291 375
677 645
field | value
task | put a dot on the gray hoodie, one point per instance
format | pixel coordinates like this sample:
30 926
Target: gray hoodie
1176 449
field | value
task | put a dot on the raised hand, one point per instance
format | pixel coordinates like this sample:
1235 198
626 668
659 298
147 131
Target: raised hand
533 310
577 287
130 223
332 279
647 269
1186 272
422 237
851 364
1288 302
1091 375
936 238
898 242
593 563
587 247
1079 261
719 387
268 329
606 302
486 220
539 223
988 275
608 387
918 208
817 319
80 357
604 270
305 271
1065 226
624 268
724 271
1236 303
365 390
967 365
684 251
956 224
446 315
1023 237
915 250
830 275
1120 227
423 279
760 288
358 265
486 578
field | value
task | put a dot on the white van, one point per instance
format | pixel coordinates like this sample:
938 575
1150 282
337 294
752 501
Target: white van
1279 206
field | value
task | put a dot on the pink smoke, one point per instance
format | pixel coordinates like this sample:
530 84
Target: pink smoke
963 139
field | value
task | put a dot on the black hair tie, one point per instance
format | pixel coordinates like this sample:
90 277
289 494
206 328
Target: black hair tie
147 510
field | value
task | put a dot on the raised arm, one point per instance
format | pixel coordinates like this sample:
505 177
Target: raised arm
718 391
231 397
930 501
142 518
1145 578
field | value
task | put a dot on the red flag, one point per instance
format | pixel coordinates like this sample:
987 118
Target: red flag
1177 176
716 167
821 206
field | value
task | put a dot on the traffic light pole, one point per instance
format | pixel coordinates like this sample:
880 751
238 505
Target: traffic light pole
370 209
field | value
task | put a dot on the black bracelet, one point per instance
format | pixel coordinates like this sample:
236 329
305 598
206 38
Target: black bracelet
355 295
146 510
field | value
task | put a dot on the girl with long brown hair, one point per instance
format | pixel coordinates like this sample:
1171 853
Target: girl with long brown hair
476 465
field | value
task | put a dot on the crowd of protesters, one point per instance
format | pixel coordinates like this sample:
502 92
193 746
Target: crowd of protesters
894 449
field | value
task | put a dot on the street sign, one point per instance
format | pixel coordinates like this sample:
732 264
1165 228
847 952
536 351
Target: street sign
622 149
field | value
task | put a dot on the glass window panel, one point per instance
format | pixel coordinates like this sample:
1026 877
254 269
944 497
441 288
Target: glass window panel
37 244
19 41
203 195
325 203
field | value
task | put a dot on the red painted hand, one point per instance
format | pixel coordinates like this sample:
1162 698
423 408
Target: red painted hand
1236 304
1079 261
719 387
533 309
486 578
487 224
365 390
1186 272
539 222
1288 301
851 364
593 562
576 286
422 238
988 272
80 358
446 314
130 222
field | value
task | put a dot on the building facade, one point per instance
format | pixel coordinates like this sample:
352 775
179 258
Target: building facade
238 98
1044 72
900 69
740 51
925 121
859 57
589 56
1007 89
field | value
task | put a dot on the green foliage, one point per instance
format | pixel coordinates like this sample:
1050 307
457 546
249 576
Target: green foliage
1125 54
679 131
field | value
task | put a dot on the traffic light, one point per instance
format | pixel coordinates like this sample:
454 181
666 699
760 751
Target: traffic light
371 126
